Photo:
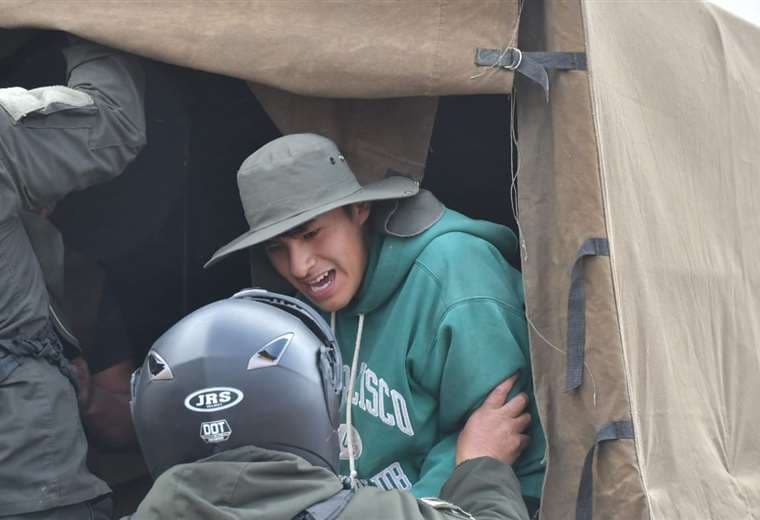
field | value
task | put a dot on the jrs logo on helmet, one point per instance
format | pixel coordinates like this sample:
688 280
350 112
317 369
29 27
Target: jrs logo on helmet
213 399
215 431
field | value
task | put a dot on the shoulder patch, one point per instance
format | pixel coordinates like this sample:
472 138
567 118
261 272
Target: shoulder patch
446 507
20 102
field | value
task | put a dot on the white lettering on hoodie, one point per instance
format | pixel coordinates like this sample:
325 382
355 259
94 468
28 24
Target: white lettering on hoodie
379 400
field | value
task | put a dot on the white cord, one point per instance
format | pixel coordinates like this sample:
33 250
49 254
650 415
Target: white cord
349 416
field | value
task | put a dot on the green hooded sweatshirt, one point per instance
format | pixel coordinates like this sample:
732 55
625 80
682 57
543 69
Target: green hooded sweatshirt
443 324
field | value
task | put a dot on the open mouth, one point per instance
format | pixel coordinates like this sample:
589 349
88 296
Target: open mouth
321 284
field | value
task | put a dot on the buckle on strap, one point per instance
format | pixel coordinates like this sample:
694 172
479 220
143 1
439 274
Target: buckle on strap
533 65
508 58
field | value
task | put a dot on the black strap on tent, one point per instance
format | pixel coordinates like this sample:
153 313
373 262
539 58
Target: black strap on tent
584 507
576 311
533 65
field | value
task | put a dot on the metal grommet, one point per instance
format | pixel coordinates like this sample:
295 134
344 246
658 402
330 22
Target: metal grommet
517 62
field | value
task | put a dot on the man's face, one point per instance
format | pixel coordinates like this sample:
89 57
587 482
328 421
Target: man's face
325 258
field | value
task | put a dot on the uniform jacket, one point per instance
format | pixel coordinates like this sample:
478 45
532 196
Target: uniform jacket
53 140
252 483
443 324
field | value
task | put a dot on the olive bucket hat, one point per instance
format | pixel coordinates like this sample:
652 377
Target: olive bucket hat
296 178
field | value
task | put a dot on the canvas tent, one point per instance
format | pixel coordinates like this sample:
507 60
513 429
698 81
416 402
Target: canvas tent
638 201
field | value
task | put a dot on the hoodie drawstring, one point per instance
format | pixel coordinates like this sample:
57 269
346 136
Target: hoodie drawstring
351 382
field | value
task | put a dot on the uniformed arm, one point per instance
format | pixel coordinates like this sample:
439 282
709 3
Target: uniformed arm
480 341
59 139
487 489
479 489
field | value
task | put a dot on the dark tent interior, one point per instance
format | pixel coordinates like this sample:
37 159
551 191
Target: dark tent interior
147 234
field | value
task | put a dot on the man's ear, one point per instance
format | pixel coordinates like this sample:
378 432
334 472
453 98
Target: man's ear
360 211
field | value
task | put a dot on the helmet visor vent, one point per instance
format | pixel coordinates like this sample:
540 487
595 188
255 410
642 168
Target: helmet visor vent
271 353
158 368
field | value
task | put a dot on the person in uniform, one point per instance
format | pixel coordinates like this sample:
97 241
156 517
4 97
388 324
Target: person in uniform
55 140
425 305
237 407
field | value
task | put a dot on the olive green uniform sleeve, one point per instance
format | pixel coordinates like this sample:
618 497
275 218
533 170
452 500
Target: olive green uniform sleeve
55 140
487 489
250 483
60 139
483 489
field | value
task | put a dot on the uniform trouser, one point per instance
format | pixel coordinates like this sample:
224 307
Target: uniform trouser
43 449
93 510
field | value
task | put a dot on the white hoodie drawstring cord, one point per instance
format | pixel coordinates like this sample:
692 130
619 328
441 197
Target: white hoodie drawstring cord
351 381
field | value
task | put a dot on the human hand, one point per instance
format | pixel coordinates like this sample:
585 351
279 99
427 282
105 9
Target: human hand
104 403
82 374
495 429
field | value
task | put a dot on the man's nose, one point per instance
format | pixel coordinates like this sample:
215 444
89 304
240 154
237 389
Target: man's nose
301 260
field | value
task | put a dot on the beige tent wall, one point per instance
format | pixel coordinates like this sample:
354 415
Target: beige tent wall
316 66
676 97
561 205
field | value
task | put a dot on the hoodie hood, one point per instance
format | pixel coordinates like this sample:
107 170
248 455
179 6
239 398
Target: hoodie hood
244 483
390 257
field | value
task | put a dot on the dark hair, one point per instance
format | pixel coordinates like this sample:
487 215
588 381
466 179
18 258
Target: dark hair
301 228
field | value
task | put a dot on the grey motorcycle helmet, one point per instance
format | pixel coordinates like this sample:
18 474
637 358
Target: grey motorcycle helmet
259 369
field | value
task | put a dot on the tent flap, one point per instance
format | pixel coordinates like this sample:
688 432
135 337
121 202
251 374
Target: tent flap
676 101
374 134
560 209
315 66
339 48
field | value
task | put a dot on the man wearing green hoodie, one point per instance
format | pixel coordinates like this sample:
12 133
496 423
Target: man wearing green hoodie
421 299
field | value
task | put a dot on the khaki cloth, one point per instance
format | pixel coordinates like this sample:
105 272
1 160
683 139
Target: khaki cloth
654 148
356 72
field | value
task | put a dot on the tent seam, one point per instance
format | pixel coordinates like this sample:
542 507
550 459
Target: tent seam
437 54
632 409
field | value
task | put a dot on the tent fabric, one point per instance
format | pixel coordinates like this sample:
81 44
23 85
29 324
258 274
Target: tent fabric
315 66
653 148
330 48
676 101
374 134
561 207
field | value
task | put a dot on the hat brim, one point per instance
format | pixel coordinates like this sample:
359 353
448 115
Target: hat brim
395 187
